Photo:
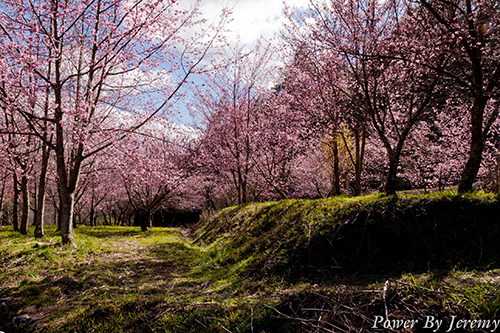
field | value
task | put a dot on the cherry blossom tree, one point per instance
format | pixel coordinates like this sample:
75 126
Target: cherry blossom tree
20 159
151 167
251 137
282 137
91 58
311 84
229 106
376 56
436 151
471 30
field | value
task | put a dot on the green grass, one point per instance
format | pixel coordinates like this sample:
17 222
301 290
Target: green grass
118 279
240 269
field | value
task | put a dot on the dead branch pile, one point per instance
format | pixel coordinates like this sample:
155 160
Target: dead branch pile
395 308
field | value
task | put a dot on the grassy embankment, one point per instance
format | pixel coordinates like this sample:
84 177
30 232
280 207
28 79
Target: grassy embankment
324 265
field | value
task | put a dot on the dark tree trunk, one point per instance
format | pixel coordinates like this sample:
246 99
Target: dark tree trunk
119 220
91 216
66 218
15 205
56 215
471 168
336 168
76 219
476 146
25 213
244 198
92 210
390 184
360 140
59 222
2 215
143 219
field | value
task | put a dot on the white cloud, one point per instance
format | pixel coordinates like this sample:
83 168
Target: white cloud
251 19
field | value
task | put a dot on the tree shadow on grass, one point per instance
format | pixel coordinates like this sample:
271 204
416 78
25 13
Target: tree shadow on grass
119 231
163 284
107 232
153 269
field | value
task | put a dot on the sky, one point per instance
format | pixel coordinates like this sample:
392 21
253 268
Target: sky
250 20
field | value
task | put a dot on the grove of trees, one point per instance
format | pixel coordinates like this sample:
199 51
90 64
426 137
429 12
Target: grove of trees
365 96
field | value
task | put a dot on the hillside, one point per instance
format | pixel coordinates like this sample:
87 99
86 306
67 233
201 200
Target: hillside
338 264
365 233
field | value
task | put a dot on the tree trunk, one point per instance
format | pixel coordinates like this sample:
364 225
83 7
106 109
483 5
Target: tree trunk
42 191
390 184
91 216
143 218
56 215
476 146
92 210
336 168
25 214
15 205
35 204
67 176
471 168
76 219
121 221
357 177
2 215
59 214
360 140
66 218
67 186
244 198
357 180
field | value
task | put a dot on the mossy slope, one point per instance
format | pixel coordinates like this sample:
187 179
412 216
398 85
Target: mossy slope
341 235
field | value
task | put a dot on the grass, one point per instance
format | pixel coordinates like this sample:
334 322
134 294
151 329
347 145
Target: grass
262 268
118 279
